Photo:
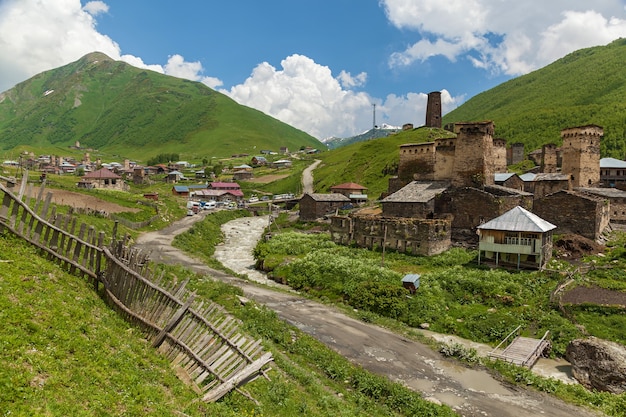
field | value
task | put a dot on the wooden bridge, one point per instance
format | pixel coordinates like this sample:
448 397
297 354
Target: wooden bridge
521 351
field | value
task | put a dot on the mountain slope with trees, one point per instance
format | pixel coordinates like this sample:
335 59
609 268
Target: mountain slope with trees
116 108
585 87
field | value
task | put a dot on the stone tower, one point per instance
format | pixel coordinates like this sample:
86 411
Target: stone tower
548 159
433 110
474 159
581 154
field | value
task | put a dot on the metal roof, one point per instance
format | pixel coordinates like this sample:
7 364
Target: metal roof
518 219
612 163
412 278
502 176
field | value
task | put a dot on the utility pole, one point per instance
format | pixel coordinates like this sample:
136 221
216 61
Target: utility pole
373 117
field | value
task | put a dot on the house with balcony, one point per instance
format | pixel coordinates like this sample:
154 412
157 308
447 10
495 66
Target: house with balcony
517 239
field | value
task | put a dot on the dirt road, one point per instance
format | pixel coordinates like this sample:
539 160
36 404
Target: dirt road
470 392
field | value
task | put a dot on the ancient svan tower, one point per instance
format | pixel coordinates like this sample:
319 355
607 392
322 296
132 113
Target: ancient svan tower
581 154
548 159
433 110
499 155
474 159
417 162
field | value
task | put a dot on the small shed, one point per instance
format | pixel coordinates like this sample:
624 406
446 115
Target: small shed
411 282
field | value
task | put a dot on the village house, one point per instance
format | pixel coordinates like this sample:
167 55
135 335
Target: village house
575 212
517 238
227 190
509 180
104 178
180 190
174 177
348 188
242 175
613 173
416 199
281 164
314 206
258 161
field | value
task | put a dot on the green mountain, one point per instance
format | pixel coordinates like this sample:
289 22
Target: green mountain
585 87
122 110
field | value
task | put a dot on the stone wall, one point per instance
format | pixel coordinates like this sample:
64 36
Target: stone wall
417 162
407 235
581 154
444 158
548 158
517 153
574 212
472 206
474 159
409 209
499 155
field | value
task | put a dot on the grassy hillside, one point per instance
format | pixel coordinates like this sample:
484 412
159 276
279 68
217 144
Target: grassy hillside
585 87
369 163
122 110
64 352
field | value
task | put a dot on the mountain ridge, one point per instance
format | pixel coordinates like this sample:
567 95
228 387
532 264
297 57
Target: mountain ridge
112 106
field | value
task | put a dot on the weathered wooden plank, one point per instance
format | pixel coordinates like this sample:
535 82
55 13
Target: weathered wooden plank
238 379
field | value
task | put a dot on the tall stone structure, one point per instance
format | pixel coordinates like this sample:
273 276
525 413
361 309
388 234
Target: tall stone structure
548 159
581 154
474 155
499 155
433 110
517 153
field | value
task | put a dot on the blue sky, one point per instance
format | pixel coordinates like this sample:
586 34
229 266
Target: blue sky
318 65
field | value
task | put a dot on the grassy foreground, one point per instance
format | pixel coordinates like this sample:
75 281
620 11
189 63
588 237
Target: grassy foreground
63 352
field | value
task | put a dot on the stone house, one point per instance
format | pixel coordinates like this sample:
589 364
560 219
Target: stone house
549 183
516 238
416 199
509 180
103 178
313 206
575 212
616 198
471 207
258 161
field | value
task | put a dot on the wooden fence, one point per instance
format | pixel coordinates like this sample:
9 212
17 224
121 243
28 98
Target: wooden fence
200 338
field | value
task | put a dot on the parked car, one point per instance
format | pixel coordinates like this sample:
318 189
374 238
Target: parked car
265 198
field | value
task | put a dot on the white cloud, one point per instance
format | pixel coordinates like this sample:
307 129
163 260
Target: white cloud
304 94
510 37
36 36
94 8
177 67
348 81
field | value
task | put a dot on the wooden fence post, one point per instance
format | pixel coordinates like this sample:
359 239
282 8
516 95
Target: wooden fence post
173 322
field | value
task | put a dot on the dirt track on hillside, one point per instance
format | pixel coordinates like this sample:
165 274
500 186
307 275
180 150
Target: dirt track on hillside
470 392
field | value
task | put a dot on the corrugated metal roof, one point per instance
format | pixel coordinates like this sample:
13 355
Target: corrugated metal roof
529 176
612 163
503 176
412 278
518 219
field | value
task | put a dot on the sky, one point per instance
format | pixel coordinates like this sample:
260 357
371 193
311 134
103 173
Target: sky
332 68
